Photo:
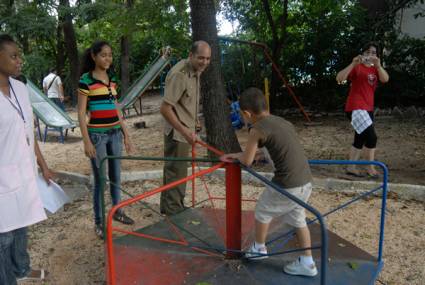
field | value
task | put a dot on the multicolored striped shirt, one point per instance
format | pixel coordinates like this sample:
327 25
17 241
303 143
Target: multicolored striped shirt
101 99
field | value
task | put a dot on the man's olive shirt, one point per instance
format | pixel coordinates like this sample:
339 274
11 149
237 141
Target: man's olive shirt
182 91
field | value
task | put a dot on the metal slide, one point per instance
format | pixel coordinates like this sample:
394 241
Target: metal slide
47 111
54 118
143 82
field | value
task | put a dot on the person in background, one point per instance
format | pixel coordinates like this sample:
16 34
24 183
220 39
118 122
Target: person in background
363 72
53 88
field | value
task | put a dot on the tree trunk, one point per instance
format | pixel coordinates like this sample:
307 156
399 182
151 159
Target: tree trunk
125 65
60 48
71 48
277 47
220 133
125 58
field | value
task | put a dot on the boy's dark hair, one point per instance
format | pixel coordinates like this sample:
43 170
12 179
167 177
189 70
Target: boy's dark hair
371 44
87 62
252 99
6 39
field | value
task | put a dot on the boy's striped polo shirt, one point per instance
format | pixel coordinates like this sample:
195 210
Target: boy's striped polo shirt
101 100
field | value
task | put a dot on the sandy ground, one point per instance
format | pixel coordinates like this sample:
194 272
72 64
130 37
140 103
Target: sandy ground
400 143
66 246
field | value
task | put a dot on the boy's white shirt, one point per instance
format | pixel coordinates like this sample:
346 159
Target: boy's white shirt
54 90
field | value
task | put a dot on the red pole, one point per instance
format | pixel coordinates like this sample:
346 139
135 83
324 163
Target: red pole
109 240
233 210
291 92
194 178
110 247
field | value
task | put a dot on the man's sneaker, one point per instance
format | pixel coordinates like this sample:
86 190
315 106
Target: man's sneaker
98 229
298 268
123 218
256 253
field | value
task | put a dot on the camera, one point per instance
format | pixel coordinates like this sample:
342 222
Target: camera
366 60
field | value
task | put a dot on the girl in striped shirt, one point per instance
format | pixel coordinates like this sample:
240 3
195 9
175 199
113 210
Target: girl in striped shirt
104 131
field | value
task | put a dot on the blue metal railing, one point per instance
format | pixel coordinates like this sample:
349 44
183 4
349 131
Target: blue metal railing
320 217
384 187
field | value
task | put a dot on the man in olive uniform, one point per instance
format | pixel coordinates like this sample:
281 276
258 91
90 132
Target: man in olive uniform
180 110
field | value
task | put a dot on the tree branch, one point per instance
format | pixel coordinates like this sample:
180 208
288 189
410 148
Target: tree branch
272 24
283 23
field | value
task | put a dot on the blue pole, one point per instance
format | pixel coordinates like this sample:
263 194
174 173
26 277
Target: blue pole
323 230
289 234
384 192
383 208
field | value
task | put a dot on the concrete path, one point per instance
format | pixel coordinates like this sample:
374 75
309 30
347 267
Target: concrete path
403 191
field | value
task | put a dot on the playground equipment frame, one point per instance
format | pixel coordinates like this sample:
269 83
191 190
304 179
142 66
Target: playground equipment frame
279 73
233 207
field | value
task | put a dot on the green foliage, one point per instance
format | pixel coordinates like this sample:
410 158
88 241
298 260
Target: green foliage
318 38
243 66
34 28
405 63
36 66
321 38
149 24
28 21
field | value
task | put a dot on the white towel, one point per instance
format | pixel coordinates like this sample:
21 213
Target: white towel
360 120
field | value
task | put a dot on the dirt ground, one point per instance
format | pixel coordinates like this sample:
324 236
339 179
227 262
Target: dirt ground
66 246
401 144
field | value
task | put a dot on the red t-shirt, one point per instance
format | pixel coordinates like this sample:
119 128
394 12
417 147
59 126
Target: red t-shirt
363 84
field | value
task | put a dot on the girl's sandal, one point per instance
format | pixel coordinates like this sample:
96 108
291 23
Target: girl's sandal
34 275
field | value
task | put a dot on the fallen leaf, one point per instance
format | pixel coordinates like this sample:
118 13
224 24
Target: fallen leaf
353 265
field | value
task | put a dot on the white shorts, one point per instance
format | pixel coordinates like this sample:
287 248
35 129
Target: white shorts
273 204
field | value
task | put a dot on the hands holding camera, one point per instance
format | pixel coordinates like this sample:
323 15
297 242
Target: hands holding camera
371 60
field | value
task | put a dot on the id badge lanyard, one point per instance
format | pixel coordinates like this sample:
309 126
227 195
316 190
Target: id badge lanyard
18 108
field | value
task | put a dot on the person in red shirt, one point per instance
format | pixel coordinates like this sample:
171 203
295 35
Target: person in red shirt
363 72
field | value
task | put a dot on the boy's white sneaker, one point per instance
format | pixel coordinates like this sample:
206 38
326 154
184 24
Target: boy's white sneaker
298 268
256 253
